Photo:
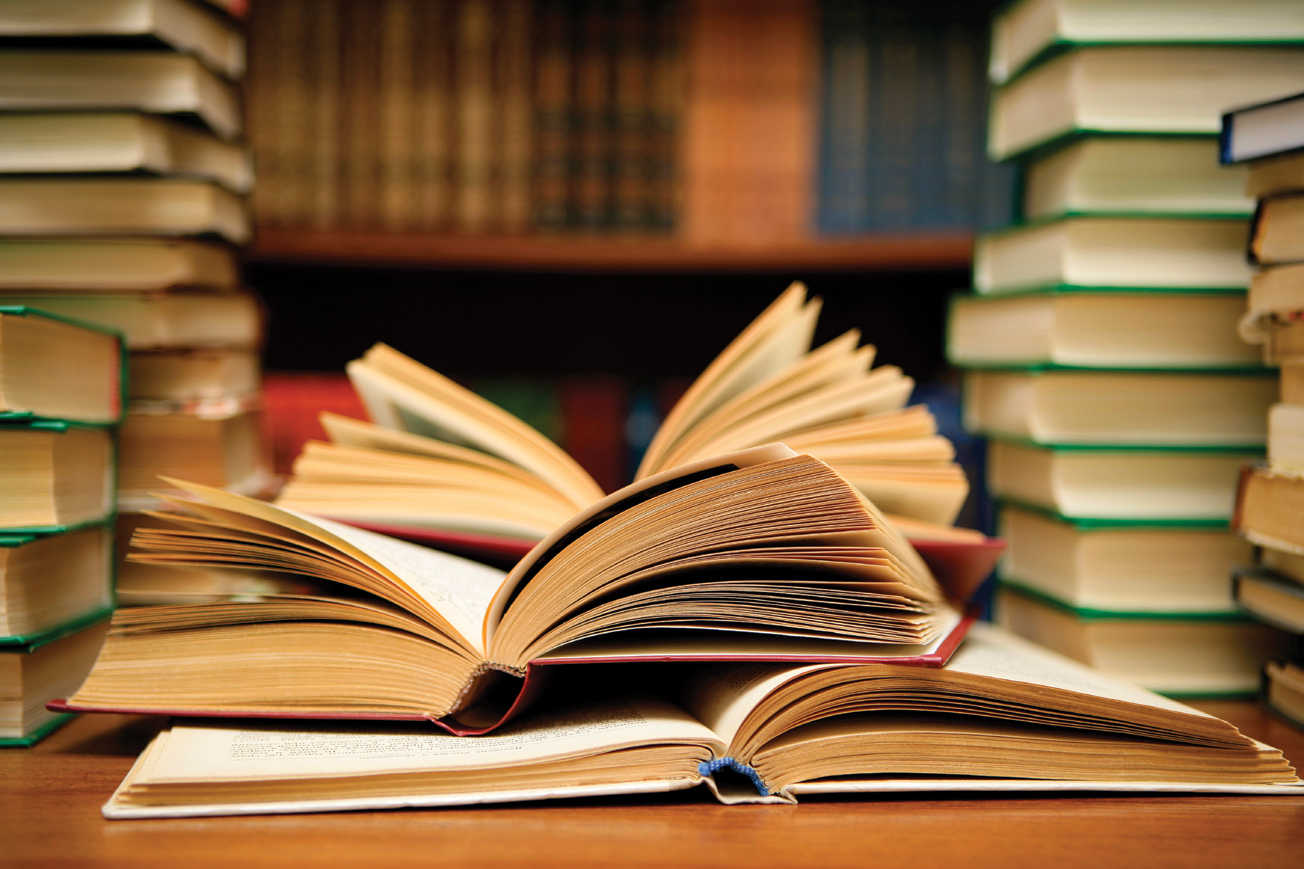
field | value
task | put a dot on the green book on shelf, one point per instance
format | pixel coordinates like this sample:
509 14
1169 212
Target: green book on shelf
1106 485
1141 175
1183 254
1152 567
1120 89
1079 327
1218 653
47 580
41 668
53 367
1121 407
56 476
1028 32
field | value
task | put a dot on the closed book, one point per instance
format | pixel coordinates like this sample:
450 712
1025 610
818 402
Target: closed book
1121 408
1112 484
113 265
183 25
1130 89
1087 328
1121 566
1141 175
53 581
58 369
1114 252
1270 598
1028 32
99 142
1277 230
1268 507
1211 654
147 81
40 668
1285 690
1263 129
58 475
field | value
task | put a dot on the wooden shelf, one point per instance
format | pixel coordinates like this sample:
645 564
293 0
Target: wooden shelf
942 250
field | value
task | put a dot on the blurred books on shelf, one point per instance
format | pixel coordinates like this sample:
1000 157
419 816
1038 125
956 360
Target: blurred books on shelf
1102 345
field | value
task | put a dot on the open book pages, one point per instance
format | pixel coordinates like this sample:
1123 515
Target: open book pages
762 554
440 457
1003 716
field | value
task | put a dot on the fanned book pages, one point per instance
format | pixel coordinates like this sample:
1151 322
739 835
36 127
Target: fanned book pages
1004 716
443 465
761 555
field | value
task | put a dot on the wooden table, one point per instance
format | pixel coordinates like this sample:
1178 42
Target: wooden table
51 795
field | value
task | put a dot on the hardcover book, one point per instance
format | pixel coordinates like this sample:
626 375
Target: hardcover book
1004 716
763 555
58 369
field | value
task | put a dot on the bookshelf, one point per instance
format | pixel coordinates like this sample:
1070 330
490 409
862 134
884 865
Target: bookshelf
378 248
738 158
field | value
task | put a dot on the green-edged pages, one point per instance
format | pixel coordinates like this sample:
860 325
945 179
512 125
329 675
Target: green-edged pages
48 579
1136 408
54 475
1117 252
1099 329
1142 175
1026 31
1184 654
1113 484
150 321
763 553
1121 89
53 368
1158 567
33 674
1003 715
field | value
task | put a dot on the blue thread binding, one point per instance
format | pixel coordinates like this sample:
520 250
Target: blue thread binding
709 768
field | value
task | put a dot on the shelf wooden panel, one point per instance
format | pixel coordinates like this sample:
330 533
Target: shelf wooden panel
942 250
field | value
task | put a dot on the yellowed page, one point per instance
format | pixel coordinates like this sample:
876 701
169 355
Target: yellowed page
460 590
279 752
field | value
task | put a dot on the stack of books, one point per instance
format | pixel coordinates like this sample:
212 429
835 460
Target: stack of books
745 618
123 181
469 115
1269 138
1101 343
61 398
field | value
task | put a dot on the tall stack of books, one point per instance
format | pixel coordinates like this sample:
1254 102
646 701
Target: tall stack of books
1269 137
1102 345
122 197
61 397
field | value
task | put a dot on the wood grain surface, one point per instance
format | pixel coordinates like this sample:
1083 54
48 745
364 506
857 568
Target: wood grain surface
50 798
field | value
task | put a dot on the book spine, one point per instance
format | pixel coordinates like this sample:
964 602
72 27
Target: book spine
592 92
844 118
360 67
514 63
395 97
894 60
669 71
963 132
593 413
632 118
263 97
552 110
324 53
474 116
433 112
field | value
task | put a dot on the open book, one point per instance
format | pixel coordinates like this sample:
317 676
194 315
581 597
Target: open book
764 555
1003 715
442 465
